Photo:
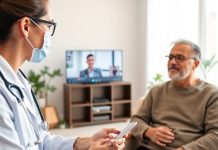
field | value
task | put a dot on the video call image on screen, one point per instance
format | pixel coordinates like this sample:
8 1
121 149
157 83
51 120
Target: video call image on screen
93 66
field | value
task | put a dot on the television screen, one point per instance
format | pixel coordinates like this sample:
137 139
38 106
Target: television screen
93 66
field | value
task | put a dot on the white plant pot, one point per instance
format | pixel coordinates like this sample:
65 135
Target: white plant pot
41 102
62 126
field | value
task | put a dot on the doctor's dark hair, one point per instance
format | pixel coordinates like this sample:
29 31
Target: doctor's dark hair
13 10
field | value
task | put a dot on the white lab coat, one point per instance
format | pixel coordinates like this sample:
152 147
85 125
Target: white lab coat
16 131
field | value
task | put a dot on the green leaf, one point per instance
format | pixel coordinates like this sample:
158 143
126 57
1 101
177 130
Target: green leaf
158 78
208 64
41 82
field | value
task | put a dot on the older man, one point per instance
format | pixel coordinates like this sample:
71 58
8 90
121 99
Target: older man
180 114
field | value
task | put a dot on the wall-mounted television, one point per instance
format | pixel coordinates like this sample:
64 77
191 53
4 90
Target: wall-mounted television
94 66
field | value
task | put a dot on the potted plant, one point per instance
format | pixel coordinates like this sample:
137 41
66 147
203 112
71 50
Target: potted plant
157 79
41 83
207 65
62 123
42 86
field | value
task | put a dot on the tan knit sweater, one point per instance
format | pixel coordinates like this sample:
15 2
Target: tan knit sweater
191 112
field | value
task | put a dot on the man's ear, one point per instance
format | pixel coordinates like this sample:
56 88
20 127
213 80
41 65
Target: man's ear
197 63
24 26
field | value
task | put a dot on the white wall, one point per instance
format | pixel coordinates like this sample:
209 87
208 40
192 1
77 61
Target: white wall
142 54
98 24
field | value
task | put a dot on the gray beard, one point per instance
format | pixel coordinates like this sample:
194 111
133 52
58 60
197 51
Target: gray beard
180 75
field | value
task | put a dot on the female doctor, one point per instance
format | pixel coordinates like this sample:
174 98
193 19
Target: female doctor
26 28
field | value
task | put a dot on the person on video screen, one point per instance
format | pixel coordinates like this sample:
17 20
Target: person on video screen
114 70
91 71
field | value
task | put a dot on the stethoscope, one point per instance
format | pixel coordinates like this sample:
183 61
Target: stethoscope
20 99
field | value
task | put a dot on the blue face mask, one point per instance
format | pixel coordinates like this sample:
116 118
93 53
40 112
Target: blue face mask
40 54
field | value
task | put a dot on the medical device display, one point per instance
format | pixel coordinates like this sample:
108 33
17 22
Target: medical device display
126 130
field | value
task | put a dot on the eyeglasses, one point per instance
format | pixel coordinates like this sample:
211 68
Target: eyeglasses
51 24
179 58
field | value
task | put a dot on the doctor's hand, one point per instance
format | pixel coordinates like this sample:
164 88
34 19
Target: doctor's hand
106 144
102 140
109 133
105 133
160 135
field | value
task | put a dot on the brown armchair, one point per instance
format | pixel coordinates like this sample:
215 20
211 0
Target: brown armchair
131 142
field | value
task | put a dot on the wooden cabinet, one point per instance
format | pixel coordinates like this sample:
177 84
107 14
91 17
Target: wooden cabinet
86 104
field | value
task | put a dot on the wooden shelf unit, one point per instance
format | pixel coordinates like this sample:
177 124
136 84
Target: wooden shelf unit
79 104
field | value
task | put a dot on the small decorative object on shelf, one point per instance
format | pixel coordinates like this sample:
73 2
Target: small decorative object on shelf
86 104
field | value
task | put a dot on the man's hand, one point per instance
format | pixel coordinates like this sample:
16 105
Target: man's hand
160 135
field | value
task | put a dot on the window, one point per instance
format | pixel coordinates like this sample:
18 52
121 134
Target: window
169 20
211 35
211 27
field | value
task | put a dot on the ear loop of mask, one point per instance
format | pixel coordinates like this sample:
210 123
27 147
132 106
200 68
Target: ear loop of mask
27 37
37 25
30 43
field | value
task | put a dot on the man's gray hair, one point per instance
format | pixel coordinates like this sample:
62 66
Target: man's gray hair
194 46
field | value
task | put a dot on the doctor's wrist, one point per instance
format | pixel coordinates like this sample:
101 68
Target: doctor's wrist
82 143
